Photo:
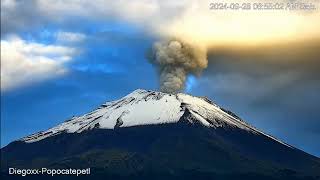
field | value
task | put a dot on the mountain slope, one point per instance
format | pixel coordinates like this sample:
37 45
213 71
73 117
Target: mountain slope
150 134
143 107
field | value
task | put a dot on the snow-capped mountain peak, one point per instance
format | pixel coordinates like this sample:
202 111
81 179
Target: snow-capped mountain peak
145 107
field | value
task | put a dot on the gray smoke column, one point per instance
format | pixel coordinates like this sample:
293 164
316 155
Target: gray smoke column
175 60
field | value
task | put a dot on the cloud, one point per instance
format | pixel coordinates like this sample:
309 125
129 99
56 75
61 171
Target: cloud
255 75
24 62
25 15
190 21
187 19
70 37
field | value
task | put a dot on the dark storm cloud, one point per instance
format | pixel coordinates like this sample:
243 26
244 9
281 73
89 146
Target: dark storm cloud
275 88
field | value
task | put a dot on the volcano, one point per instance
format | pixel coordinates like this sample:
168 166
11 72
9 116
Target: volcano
155 135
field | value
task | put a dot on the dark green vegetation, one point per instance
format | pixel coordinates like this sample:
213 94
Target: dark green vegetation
169 151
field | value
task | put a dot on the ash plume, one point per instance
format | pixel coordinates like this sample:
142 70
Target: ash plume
175 60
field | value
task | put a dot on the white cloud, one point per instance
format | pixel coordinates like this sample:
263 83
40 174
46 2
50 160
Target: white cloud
26 15
69 37
185 19
24 62
189 20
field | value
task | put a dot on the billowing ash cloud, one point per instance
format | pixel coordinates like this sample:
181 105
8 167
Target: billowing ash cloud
175 60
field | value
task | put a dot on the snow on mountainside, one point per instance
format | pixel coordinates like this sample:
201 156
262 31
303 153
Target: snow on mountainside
143 107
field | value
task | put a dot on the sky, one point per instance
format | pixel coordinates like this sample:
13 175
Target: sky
65 58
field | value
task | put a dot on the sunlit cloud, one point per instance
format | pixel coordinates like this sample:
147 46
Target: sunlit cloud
25 62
